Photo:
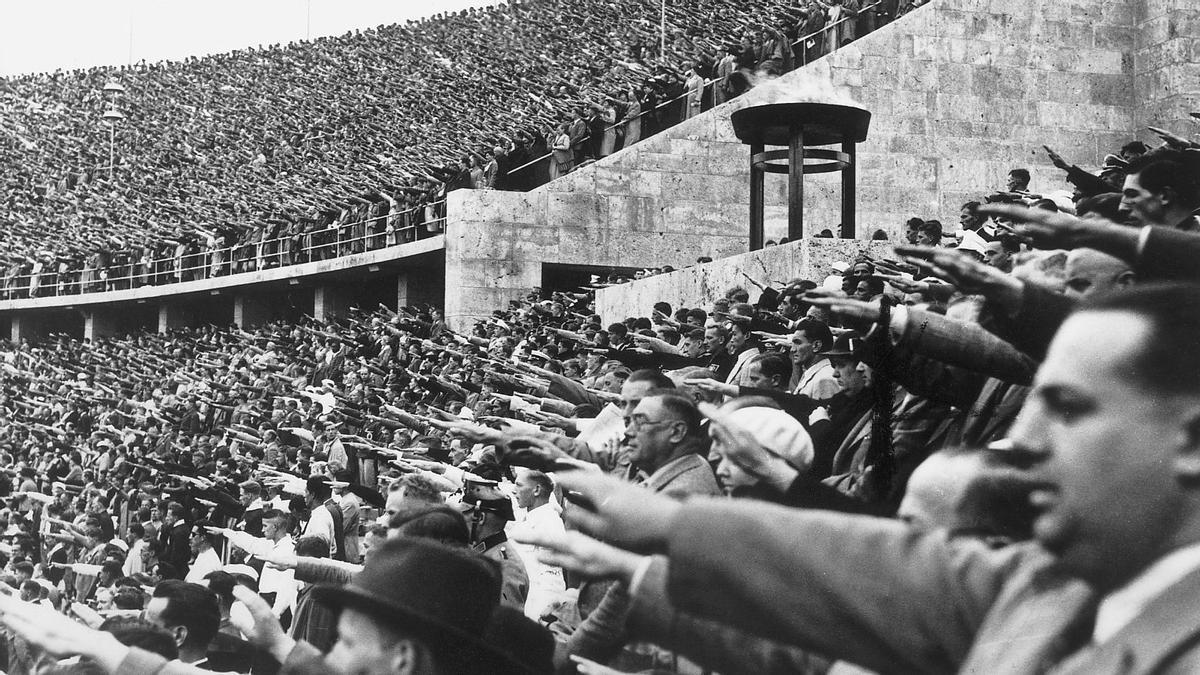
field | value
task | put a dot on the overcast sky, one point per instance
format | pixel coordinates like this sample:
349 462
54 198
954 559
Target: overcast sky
41 35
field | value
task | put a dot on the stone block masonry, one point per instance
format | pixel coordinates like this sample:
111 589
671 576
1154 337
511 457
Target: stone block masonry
961 91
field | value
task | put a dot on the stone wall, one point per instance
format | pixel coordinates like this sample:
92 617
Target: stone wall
961 91
699 285
1166 65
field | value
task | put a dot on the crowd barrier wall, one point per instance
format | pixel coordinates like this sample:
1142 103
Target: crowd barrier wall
699 285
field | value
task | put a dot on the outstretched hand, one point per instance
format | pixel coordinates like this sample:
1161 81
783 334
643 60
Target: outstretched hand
617 512
262 629
856 314
582 554
58 634
966 273
1052 230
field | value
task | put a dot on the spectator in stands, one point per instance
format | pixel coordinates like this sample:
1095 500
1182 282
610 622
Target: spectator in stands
1159 189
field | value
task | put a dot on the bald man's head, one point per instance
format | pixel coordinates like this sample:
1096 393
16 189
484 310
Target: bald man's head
1090 272
970 493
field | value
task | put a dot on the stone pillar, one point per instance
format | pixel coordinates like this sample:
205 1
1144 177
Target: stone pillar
172 316
404 290
98 324
1166 80
250 311
25 327
329 302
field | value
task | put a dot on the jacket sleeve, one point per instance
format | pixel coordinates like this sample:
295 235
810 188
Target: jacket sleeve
712 645
324 570
927 377
142 662
1042 312
868 590
1169 255
580 450
966 345
571 391
602 634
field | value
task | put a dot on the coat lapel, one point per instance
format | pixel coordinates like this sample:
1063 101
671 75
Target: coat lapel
1169 623
1038 620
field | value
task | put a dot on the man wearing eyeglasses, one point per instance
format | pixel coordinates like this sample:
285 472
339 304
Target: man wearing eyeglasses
667 446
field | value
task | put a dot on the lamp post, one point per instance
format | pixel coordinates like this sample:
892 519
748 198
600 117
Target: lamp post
662 30
112 91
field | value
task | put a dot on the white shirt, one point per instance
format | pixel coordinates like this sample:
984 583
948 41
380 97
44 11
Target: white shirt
320 524
133 561
270 580
546 582
206 561
1122 606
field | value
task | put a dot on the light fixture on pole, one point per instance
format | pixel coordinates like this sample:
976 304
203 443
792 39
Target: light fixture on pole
113 90
662 30
112 116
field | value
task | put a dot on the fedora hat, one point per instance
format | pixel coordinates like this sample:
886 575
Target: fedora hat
846 344
445 596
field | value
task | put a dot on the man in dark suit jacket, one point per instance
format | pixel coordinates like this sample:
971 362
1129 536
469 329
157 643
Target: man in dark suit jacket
1109 433
251 498
175 538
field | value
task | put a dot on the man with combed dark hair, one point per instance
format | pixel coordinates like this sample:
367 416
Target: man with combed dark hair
1163 189
812 372
1110 435
190 613
175 538
1018 180
136 632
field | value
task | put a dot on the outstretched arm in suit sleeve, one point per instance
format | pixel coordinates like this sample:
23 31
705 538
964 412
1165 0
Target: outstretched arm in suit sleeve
869 590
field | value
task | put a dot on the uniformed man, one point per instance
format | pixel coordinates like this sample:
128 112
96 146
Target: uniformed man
489 511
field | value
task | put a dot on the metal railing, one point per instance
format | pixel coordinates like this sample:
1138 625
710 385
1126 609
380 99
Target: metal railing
536 172
337 240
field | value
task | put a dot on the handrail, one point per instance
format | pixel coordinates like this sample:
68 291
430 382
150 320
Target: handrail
707 83
220 262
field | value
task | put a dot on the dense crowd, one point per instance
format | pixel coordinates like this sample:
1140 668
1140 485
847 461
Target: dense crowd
273 156
976 454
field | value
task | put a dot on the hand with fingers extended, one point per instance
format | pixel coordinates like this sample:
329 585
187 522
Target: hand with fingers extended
531 452
582 554
1056 159
260 626
856 314
1176 142
59 635
905 283
618 512
711 385
1052 230
279 560
475 433
966 273
589 667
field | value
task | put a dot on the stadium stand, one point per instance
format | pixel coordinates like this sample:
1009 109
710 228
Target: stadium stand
273 156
